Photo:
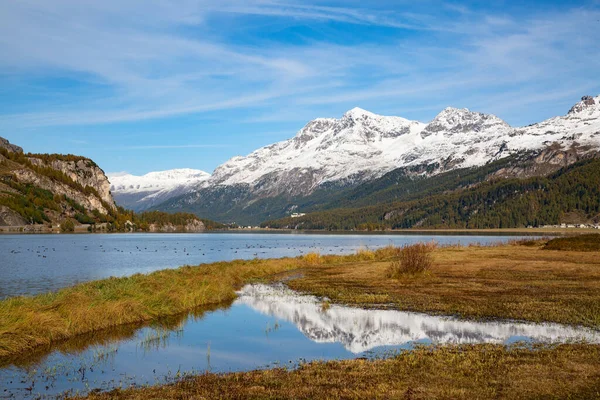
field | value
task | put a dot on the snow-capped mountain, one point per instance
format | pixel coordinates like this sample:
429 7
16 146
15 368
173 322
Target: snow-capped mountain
361 146
355 148
139 193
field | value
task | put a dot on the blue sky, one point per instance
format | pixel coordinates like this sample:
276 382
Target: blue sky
143 85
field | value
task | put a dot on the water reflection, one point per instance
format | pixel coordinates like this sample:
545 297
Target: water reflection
360 330
266 326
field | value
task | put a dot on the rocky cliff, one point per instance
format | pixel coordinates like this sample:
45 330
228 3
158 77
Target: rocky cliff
49 188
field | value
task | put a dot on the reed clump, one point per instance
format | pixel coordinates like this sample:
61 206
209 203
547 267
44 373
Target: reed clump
412 259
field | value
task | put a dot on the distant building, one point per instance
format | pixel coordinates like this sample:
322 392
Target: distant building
297 215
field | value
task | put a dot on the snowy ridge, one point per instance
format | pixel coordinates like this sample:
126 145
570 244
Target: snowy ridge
361 146
358 147
360 330
142 192
325 150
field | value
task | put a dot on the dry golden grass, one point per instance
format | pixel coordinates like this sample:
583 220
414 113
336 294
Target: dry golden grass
464 372
509 281
590 242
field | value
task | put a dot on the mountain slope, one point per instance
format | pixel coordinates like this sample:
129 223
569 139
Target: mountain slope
570 195
140 193
332 156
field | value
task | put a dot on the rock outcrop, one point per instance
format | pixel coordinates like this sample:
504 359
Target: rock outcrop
191 226
49 188
5 144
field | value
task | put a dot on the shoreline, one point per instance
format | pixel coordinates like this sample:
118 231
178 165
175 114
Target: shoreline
470 282
448 372
22 230
517 281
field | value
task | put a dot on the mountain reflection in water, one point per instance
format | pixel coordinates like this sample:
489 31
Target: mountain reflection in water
266 326
360 330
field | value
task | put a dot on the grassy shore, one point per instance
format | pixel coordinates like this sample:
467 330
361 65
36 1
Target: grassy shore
512 282
28 323
453 372
508 281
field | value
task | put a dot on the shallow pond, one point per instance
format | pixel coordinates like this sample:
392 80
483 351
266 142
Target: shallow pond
267 326
31 264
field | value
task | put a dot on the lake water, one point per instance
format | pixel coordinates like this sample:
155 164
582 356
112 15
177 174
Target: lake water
266 326
31 264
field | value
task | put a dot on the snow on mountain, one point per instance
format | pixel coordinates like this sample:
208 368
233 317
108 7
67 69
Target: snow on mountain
355 146
142 192
360 330
362 145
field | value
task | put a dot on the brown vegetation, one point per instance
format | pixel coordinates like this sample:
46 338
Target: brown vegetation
590 242
462 372
413 259
505 281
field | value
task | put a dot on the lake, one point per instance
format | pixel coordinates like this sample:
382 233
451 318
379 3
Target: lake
267 326
31 264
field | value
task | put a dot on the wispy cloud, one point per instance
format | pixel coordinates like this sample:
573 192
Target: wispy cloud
145 60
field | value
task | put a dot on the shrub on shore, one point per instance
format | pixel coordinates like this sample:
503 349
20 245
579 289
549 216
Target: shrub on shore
412 259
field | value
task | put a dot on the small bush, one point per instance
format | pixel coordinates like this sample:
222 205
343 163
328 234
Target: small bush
413 259
67 226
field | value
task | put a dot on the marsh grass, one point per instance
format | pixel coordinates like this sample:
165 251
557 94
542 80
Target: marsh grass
445 372
412 259
313 259
155 339
507 282
27 323
589 242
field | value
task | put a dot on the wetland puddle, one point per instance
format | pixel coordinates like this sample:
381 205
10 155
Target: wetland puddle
267 326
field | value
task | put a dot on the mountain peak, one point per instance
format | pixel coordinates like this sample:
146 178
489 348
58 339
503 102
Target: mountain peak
358 112
454 110
587 103
462 120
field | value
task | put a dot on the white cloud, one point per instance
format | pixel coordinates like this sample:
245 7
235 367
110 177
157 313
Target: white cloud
140 60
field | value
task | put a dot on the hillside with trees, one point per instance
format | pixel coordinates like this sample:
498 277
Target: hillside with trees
571 194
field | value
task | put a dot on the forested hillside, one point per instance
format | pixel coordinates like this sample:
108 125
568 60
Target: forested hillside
572 193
